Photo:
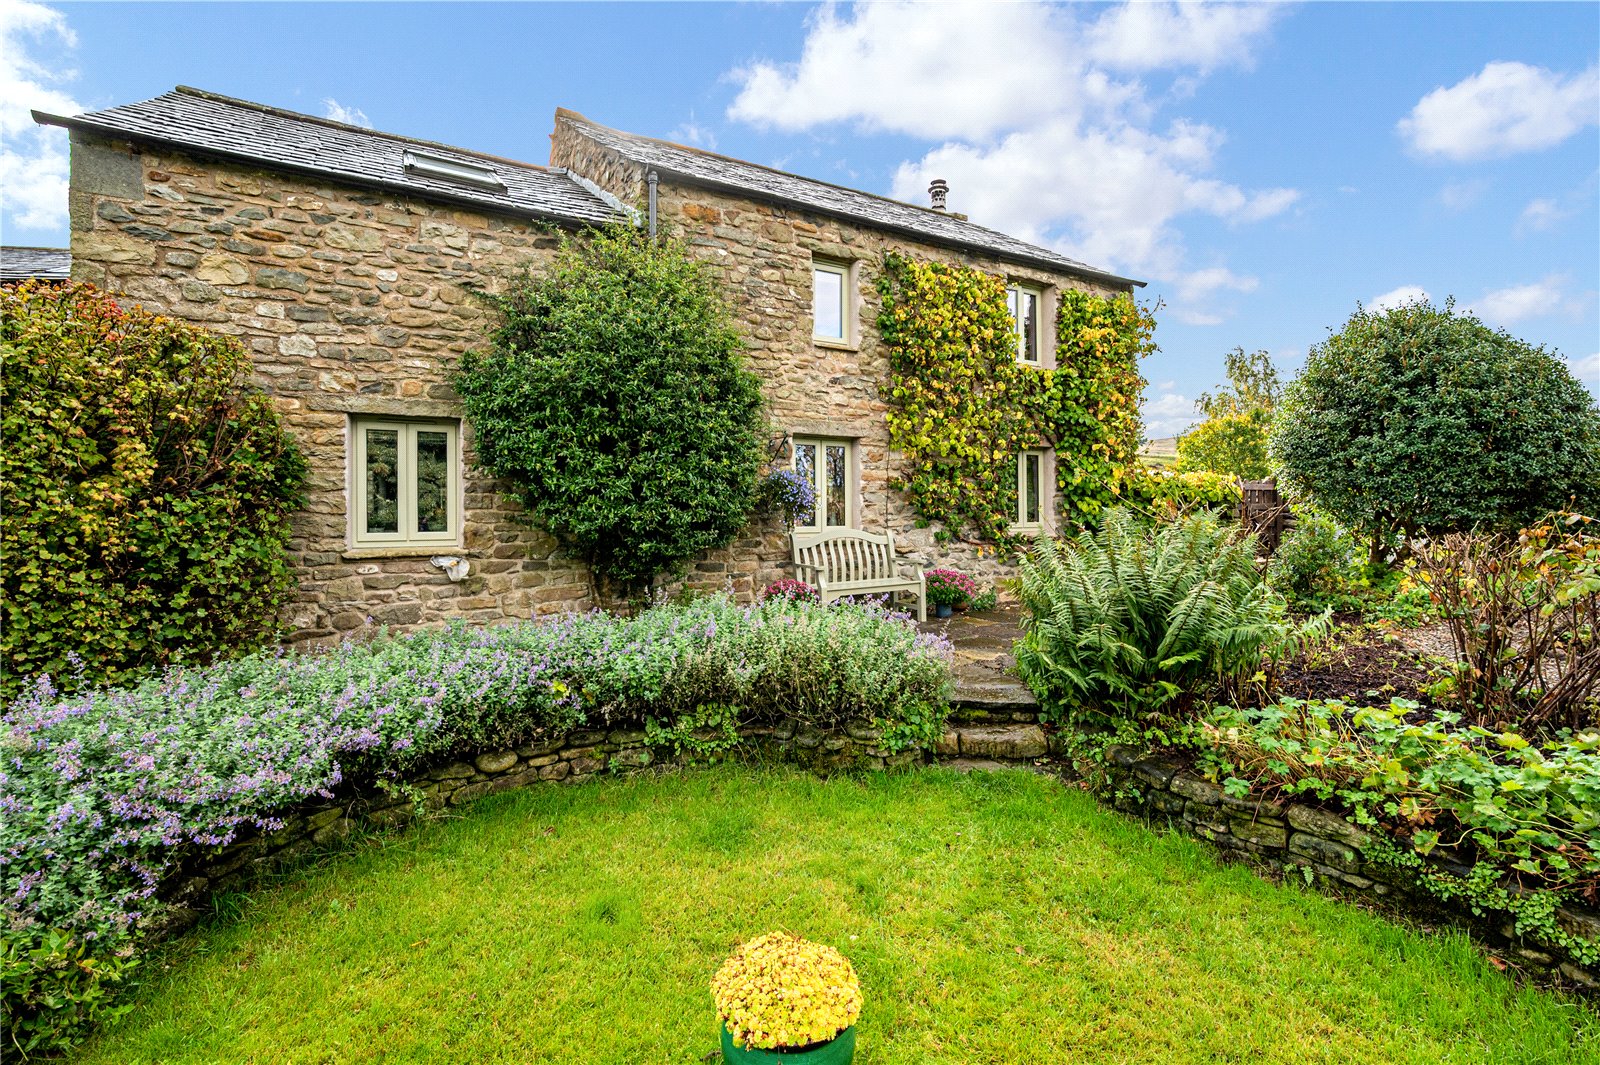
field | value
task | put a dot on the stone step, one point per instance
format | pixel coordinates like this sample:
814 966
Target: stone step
981 765
1016 743
1001 696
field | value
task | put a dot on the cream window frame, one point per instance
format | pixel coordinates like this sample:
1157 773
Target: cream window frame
405 538
846 272
1020 524
852 480
1041 331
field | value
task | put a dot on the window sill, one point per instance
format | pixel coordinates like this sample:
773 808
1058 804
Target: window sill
836 345
356 554
1027 530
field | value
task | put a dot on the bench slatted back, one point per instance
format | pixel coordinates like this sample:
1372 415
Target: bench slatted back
847 556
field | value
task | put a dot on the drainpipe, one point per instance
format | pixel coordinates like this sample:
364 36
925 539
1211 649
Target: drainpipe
651 179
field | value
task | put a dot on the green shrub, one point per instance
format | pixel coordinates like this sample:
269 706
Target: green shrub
1132 624
105 792
146 491
615 400
1232 443
1166 493
1523 614
1422 419
1316 565
56 986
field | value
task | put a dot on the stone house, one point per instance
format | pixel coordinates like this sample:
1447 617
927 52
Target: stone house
343 258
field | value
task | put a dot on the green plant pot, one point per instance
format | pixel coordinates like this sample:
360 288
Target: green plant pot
942 610
840 1050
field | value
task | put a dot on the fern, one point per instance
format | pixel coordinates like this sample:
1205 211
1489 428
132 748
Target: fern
1132 623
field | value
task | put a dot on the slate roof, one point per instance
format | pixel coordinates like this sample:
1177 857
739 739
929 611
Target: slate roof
238 129
48 264
736 175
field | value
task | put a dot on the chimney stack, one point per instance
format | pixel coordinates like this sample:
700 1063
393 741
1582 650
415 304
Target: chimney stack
937 190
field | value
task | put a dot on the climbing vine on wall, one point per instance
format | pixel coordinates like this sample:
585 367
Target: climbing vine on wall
962 407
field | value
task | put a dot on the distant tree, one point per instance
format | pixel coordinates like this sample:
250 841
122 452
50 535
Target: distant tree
1423 419
1253 384
1233 438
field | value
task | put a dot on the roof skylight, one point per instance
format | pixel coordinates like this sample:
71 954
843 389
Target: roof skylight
433 166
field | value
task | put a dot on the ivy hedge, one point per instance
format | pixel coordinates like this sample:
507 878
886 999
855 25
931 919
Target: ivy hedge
147 491
962 406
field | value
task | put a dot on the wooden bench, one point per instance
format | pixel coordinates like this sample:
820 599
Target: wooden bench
840 562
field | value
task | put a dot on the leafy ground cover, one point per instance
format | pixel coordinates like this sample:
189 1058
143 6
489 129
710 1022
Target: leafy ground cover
993 918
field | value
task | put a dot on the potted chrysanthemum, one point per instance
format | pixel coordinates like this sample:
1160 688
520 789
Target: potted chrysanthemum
784 998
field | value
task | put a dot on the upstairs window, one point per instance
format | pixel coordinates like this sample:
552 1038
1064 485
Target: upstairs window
830 301
1025 302
406 489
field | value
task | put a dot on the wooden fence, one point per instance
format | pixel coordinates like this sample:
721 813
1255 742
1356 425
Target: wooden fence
1263 511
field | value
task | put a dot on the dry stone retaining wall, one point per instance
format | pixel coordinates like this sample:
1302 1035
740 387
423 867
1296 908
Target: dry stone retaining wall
1299 836
577 756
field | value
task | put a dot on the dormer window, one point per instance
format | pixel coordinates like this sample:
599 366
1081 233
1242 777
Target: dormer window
433 166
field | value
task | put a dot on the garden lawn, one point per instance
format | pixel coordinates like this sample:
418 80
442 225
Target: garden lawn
992 918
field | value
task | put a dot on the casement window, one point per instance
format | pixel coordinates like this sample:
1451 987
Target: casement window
1033 493
830 466
405 486
831 300
1027 309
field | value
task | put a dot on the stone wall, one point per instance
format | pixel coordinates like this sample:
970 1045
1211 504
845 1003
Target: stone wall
1296 836
351 302
764 254
577 756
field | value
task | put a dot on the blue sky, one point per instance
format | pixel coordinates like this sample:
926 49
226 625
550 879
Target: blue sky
1264 167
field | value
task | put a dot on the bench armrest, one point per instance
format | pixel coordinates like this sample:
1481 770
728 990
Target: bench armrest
818 577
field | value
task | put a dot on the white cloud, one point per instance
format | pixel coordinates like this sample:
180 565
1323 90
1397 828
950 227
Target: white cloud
1146 36
1518 303
1541 214
35 45
1167 414
350 116
1398 298
1587 370
695 134
1039 139
1197 293
1459 195
957 70
1503 109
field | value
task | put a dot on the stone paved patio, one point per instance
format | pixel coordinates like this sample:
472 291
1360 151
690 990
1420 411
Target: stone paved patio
994 718
983 661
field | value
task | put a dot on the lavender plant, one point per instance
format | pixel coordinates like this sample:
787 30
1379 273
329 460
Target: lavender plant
103 793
